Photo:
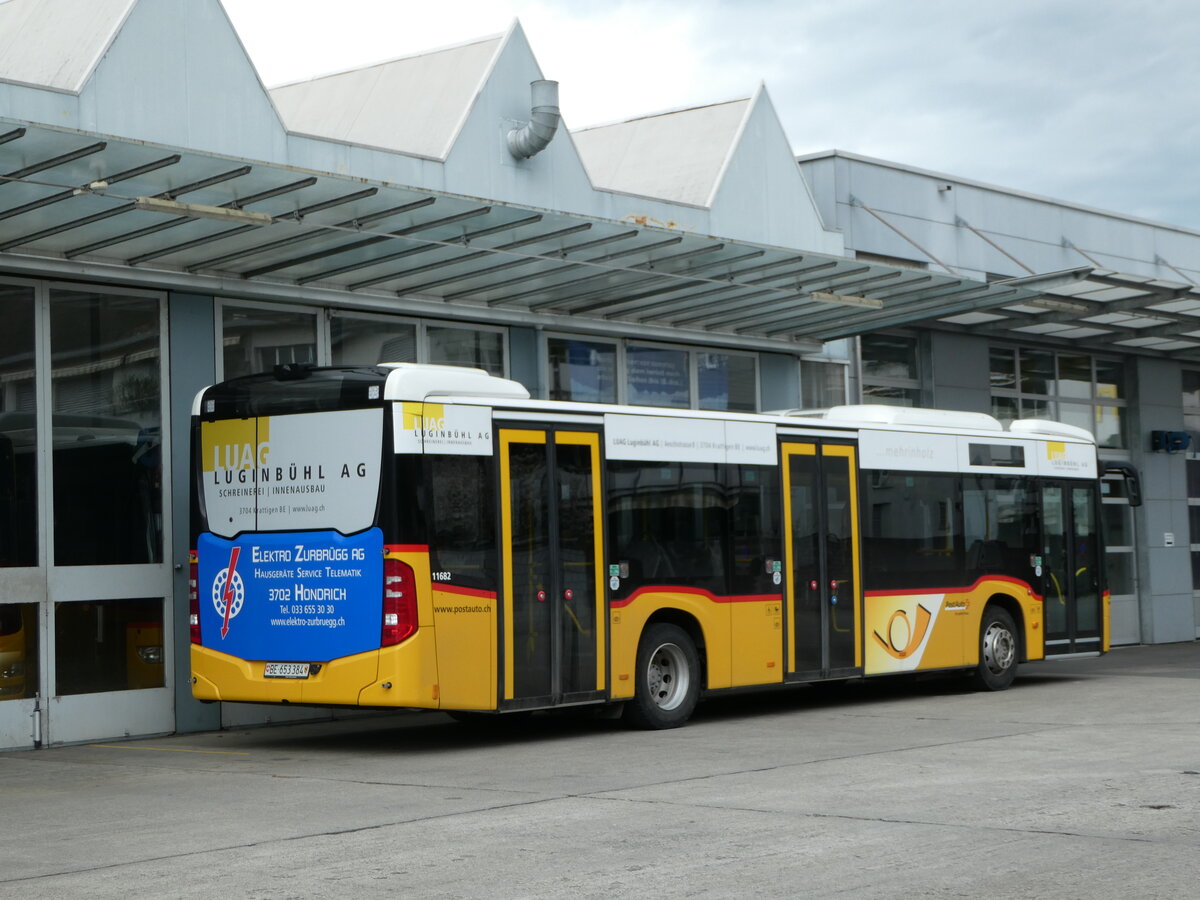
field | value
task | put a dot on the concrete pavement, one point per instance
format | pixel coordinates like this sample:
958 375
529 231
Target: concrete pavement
1083 780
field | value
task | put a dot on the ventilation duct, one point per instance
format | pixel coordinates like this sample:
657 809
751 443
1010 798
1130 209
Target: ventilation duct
535 135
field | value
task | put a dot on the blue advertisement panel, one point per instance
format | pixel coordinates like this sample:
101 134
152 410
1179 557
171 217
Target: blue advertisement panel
306 596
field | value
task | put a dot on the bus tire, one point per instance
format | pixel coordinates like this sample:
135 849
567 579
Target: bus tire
997 650
668 678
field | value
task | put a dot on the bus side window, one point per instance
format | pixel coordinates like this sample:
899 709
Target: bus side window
462 519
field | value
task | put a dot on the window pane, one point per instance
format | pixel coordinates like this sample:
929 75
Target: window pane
257 340
889 356
1110 379
1191 389
18 651
1075 377
108 645
1003 368
464 347
1117 522
891 396
1119 567
822 385
462 519
914 538
1035 409
1110 426
1005 409
584 371
1194 524
364 342
657 377
107 429
727 382
1037 371
1076 414
18 431
1193 477
667 524
1000 518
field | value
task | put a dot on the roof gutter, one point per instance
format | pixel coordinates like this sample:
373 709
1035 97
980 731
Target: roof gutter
535 135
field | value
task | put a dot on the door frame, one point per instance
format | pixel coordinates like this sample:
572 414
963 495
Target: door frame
819 448
550 435
49 718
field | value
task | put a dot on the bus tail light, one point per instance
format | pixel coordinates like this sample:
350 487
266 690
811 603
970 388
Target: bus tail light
194 597
399 602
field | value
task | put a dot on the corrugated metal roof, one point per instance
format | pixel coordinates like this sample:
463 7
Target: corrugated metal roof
414 105
381 241
56 43
676 156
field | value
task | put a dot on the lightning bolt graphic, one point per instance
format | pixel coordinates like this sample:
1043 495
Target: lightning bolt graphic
233 558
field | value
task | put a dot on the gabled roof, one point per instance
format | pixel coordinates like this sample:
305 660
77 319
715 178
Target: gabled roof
414 105
677 156
57 43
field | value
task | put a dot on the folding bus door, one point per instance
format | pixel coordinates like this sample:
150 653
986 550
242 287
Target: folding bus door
1070 568
822 546
552 632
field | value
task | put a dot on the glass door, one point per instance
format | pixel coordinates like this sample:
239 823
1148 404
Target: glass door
822 545
1070 569
83 585
553 622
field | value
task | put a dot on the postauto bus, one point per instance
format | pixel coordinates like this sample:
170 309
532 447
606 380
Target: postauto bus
429 536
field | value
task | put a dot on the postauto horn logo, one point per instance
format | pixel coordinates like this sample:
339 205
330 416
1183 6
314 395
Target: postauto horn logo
228 592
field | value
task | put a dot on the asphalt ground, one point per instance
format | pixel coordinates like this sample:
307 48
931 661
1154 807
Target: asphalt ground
1082 780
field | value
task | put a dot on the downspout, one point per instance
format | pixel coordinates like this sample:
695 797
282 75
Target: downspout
535 135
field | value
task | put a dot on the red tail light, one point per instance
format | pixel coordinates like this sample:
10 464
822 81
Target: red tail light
193 597
399 603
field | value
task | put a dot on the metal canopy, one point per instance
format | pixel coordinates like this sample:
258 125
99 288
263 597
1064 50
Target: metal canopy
66 196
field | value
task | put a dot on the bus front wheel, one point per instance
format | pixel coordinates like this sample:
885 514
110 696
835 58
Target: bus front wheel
668 678
997 650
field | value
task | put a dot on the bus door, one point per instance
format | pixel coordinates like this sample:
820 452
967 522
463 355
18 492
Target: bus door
820 489
1070 568
553 626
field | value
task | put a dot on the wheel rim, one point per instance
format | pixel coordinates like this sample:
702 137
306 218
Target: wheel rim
667 676
999 649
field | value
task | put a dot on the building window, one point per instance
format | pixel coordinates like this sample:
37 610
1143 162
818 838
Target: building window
1191 421
256 339
589 370
18 430
1073 388
890 370
657 376
583 371
478 348
822 384
106 371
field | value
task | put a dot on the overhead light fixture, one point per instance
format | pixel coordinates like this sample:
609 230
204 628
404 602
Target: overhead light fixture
1055 305
201 211
847 300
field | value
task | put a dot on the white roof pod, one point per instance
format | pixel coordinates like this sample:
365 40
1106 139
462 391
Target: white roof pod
1049 428
879 414
419 381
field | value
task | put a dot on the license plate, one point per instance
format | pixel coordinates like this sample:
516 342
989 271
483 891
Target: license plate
286 670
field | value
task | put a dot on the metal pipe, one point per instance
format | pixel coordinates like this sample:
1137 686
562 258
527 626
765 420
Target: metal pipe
535 135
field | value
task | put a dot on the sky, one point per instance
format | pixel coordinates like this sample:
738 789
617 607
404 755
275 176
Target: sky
1094 102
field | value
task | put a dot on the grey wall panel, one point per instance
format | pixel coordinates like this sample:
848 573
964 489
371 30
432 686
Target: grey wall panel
192 366
961 378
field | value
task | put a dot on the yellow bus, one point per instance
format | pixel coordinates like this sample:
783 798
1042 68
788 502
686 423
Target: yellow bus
430 537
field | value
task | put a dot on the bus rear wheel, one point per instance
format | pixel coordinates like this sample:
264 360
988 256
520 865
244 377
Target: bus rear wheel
668 678
997 650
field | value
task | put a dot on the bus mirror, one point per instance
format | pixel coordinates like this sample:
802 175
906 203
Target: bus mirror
1133 486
